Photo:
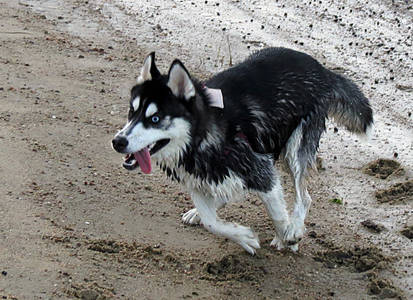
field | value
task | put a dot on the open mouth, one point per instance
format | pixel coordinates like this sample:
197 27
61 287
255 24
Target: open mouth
142 157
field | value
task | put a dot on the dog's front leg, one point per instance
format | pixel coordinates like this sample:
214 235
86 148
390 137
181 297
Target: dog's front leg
191 217
206 208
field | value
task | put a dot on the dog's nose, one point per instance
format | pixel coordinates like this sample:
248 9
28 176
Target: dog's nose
119 143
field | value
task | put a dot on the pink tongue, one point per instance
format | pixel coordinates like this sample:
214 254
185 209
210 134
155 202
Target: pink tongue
144 159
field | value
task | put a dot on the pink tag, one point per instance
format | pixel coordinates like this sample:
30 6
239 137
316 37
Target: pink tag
215 97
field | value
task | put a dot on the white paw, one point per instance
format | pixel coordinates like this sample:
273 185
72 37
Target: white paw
277 243
294 247
294 234
248 240
191 217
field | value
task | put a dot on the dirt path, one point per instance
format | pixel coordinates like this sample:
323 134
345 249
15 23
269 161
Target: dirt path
73 224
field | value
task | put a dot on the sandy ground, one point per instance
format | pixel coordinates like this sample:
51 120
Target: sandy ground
74 224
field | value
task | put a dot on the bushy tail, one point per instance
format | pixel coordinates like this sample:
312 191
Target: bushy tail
349 107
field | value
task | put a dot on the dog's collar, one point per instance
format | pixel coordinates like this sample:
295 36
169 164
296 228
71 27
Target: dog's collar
215 97
241 136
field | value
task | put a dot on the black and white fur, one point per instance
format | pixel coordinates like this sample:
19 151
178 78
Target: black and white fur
275 107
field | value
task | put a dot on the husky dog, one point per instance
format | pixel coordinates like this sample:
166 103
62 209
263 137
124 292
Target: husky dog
220 138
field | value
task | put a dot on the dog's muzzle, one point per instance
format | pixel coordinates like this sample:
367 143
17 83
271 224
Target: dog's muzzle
141 157
120 143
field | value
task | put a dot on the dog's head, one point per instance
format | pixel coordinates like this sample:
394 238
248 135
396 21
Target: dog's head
159 119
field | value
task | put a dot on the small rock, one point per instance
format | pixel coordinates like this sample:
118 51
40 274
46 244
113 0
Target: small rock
372 226
381 265
319 164
4 273
404 87
408 232
153 250
190 267
89 295
365 264
312 234
388 293
212 269
374 288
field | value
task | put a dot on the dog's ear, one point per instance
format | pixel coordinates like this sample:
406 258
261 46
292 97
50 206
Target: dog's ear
149 70
180 82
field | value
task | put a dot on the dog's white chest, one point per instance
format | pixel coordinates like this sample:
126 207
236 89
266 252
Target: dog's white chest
230 189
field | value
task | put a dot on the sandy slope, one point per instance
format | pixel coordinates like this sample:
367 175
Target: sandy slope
73 224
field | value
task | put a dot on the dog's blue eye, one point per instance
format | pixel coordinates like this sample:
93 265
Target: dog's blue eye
155 119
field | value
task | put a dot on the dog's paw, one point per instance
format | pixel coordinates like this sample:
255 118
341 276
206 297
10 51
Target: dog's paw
191 217
277 243
249 240
293 234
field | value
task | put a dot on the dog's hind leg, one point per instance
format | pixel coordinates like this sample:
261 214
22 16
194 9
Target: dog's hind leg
206 208
276 208
295 230
300 153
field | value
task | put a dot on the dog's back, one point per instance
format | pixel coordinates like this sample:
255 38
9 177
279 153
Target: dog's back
270 93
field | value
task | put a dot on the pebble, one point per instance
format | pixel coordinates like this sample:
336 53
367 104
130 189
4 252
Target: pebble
388 293
312 234
371 225
365 264
89 295
374 288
